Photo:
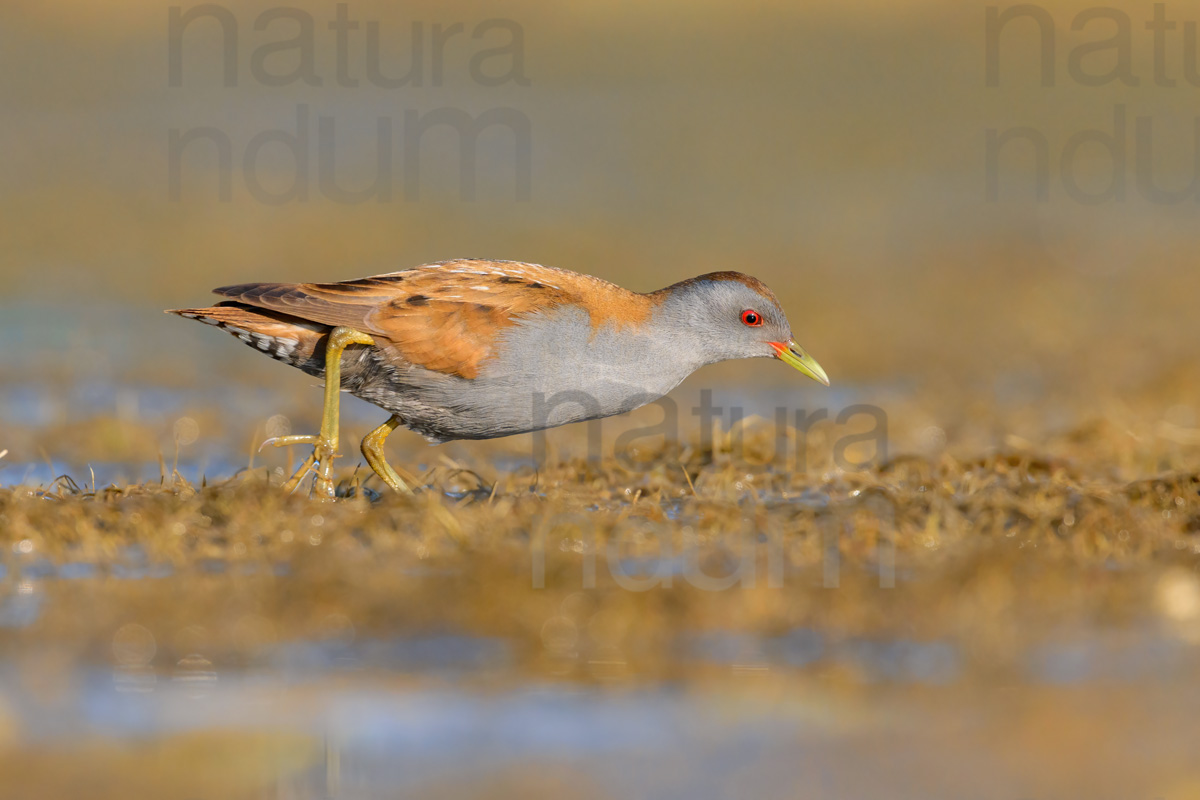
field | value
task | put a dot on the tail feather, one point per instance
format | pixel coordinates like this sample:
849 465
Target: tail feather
288 339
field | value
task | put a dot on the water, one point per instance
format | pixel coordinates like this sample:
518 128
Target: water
382 718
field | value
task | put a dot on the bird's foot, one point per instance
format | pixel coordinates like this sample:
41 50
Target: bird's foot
320 462
372 450
325 444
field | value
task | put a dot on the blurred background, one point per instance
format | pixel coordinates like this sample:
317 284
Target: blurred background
840 152
980 218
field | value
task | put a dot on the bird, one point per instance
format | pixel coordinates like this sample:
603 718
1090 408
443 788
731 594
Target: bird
479 349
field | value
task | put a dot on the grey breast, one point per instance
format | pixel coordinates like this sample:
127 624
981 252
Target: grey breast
549 369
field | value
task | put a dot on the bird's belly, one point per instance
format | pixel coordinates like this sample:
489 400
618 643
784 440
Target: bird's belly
506 408
522 402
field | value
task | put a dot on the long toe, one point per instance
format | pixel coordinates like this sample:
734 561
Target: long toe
294 481
288 441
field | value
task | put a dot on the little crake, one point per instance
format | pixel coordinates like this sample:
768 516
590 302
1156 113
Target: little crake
475 349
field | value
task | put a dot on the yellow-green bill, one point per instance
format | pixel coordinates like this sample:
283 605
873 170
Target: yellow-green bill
793 355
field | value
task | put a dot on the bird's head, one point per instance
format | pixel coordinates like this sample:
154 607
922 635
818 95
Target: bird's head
735 316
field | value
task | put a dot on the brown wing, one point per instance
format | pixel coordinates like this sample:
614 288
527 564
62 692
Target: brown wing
348 303
446 316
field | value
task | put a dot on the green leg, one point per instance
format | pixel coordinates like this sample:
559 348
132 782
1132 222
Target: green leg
325 444
372 450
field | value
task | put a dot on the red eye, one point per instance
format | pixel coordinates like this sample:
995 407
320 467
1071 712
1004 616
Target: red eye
751 318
